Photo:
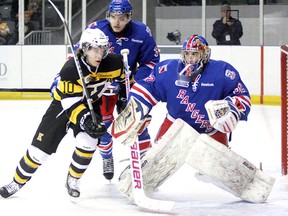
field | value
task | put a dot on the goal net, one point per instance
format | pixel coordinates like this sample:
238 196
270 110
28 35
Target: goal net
284 113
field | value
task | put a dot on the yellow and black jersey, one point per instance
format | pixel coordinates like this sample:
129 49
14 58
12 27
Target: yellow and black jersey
70 89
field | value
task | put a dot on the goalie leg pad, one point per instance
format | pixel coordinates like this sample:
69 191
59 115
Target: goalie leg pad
228 170
259 189
163 160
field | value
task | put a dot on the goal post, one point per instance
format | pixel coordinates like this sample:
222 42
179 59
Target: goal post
284 113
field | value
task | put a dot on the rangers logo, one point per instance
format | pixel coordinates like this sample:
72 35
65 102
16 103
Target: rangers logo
162 69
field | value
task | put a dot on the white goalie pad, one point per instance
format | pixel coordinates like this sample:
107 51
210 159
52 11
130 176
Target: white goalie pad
163 160
216 163
127 124
229 171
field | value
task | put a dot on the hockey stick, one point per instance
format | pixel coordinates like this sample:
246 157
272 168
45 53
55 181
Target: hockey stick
86 93
140 197
125 53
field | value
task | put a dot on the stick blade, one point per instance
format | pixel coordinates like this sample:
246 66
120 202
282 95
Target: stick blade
155 205
145 202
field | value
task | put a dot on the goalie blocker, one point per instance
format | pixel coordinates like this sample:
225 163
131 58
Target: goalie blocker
215 162
131 122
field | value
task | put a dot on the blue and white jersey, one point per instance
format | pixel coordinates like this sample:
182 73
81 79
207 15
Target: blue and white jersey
217 81
138 39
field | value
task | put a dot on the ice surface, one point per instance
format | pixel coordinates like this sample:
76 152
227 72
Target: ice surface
258 140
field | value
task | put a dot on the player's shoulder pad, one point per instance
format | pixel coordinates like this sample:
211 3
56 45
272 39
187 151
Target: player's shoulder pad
69 70
165 65
139 24
112 62
224 68
165 68
141 28
113 58
98 24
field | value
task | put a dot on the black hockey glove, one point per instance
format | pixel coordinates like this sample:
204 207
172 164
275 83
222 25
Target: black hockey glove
94 130
122 99
121 104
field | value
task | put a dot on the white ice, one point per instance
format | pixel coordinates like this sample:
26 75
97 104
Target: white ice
258 140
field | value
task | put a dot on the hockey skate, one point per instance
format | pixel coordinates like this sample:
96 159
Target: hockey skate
10 189
108 168
72 185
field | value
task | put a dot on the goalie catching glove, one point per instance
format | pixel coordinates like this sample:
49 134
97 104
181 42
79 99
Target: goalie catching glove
94 130
223 114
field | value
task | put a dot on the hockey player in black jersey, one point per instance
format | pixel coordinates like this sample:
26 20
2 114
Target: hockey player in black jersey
69 109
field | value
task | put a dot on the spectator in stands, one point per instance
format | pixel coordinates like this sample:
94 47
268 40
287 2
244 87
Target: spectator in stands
227 30
36 16
6 37
28 25
15 7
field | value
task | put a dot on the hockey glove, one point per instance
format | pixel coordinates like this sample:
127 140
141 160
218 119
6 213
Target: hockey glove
223 114
121 104
94 130
122 99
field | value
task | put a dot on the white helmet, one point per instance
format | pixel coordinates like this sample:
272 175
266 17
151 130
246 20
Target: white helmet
94 38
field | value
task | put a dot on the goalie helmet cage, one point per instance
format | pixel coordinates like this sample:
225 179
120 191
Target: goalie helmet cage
284 113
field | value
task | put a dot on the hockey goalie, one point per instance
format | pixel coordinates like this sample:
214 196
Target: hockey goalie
205 100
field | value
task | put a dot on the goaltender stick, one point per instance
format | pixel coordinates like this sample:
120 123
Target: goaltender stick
205 100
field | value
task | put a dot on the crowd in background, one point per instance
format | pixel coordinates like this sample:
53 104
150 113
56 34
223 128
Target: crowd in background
33 15
9 25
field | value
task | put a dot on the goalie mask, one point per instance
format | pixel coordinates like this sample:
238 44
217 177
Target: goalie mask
120 7
195 54
94 38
